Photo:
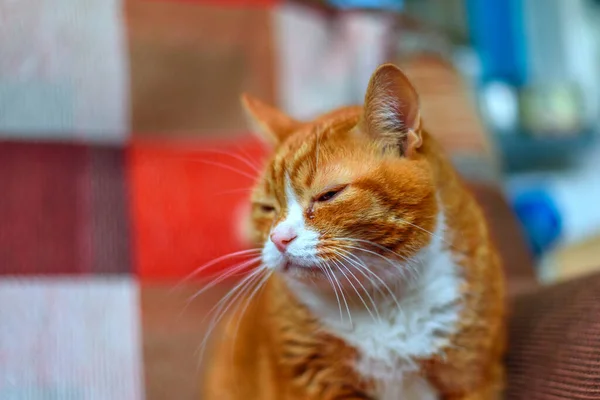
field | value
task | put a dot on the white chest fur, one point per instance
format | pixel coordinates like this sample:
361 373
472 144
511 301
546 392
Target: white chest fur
418 329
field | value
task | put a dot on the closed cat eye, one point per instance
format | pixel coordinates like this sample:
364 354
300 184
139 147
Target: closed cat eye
330 194
267 208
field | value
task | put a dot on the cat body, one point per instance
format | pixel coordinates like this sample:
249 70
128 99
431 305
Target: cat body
382 280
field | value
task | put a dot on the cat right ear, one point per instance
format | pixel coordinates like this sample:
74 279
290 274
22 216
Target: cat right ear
270 124
391 112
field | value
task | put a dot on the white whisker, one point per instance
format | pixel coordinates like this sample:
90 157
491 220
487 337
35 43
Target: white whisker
406 266
337 297
376 245
365 268
373 253
260 284
358 293
341 292
220 309
228 167
224 276
248 157
216 261
237 157
426 231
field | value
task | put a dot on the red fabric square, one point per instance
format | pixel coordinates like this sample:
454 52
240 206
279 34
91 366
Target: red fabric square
62 209
187 201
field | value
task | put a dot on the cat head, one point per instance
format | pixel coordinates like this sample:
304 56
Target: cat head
350 193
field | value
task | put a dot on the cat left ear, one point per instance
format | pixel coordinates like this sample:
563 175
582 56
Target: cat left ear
391 112
271 124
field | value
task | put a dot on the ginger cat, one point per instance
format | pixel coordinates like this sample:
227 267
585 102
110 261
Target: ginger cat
379 279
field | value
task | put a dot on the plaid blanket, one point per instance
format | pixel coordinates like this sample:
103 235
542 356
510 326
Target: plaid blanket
84 228
123 167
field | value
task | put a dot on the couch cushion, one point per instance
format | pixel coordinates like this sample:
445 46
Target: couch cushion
554 343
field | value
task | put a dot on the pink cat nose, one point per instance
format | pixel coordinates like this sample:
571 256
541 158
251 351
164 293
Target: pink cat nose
282 237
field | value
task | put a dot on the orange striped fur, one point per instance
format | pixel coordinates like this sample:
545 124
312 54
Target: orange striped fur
372 186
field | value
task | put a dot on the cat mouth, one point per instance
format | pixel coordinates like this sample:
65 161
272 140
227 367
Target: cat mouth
291 266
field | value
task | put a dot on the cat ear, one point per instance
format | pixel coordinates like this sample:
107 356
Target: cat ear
391 112
268 122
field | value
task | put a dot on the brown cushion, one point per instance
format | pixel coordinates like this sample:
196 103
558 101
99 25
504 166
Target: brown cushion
508 236
554 343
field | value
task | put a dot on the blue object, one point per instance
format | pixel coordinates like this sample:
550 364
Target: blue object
540 218
394 5
498 33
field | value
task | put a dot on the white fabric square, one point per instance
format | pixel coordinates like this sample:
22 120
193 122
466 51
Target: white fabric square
70 338
63 70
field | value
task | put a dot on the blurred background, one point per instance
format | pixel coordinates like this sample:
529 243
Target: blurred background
125 159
